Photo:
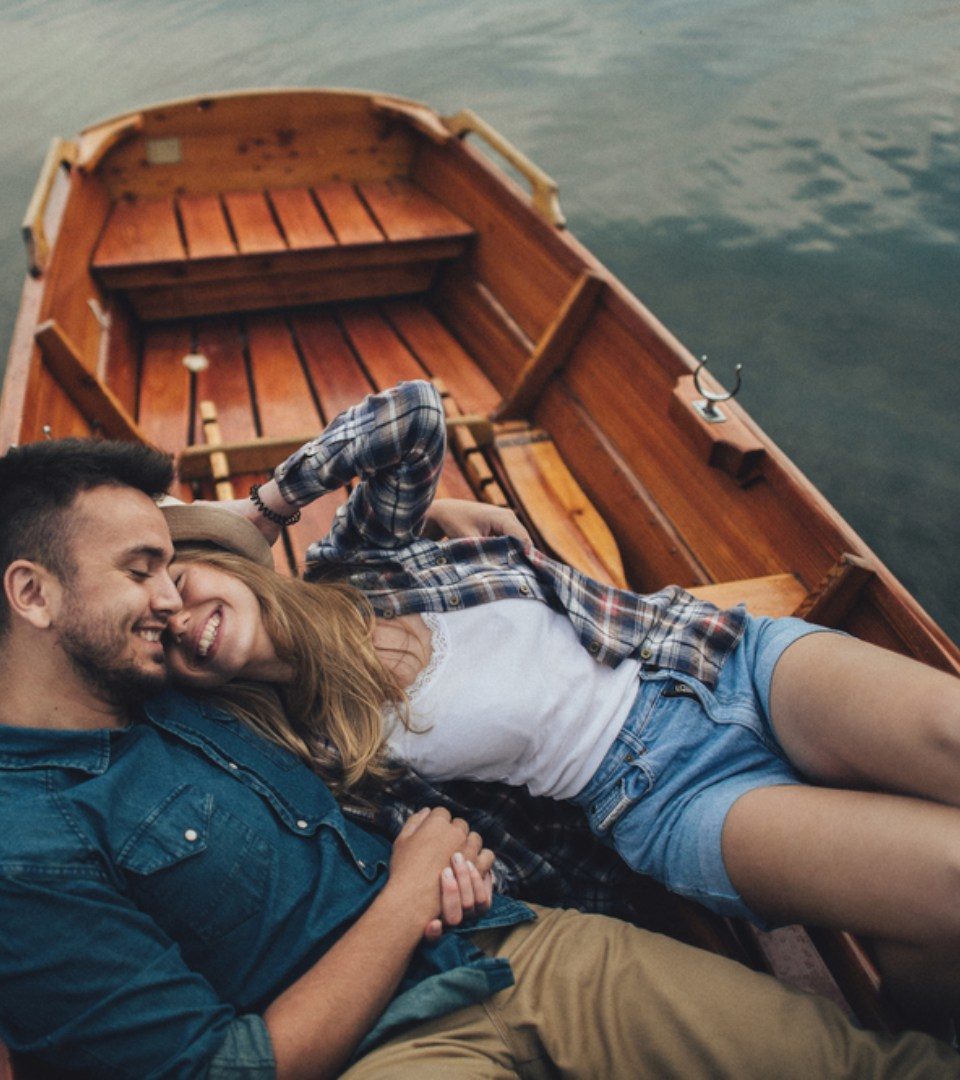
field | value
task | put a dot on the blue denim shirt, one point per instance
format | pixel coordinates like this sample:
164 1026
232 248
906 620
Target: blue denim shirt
161 885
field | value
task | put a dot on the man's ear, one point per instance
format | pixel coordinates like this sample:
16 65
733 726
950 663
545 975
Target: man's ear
32 592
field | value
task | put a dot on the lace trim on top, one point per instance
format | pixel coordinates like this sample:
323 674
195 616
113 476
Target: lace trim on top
439 649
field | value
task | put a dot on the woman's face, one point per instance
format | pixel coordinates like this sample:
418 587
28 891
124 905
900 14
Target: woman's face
219 634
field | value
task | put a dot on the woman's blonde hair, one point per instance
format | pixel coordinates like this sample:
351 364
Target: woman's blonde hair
330 712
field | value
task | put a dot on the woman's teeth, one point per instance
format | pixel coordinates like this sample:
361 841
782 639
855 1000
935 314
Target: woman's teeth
209 633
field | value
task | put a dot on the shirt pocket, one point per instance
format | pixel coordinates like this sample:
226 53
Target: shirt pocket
196 869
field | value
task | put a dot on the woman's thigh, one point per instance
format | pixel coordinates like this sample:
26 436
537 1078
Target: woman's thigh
852 714
886 866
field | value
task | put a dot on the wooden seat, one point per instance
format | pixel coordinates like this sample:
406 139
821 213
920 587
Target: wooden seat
244 250
775 595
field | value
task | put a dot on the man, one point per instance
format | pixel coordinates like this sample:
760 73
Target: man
180 898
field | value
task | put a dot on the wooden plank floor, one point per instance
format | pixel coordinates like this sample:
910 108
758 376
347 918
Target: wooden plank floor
278 373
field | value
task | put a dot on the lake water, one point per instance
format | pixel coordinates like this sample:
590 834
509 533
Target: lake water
779 181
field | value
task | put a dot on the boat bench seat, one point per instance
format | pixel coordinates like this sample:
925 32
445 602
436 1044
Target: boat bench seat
200 254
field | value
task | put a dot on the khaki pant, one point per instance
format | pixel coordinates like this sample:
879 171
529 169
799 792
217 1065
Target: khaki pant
596 997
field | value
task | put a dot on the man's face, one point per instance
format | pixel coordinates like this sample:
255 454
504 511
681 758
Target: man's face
116 604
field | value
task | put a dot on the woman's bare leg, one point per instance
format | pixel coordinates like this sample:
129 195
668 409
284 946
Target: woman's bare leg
884 866
854 715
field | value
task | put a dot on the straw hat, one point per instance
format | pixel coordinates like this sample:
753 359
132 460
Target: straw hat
190 523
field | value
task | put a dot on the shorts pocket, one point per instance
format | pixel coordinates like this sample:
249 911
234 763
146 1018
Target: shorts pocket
197 870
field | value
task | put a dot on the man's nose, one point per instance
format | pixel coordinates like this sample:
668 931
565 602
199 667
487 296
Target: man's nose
165 599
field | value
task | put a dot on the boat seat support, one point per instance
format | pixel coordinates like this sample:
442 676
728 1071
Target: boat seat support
836 594
553 348
96 402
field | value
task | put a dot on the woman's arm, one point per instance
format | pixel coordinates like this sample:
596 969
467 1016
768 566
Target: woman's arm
394 443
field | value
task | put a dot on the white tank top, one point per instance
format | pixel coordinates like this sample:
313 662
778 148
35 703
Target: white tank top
510 694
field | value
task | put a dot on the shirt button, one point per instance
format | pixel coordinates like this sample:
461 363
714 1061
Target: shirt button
361 864
190 835
441 560
233 765
301 824
455 600
524 588
385 613
593 647
646 652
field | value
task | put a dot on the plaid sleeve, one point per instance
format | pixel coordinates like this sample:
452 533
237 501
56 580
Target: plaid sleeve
394 443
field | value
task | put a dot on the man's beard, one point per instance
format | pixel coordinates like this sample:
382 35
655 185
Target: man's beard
96 649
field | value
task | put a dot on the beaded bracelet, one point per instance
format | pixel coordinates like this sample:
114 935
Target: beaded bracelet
271 515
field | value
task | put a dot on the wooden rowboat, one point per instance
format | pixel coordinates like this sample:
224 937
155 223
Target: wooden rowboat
219 276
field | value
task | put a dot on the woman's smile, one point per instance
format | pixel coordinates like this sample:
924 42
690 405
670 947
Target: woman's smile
219 633
209 636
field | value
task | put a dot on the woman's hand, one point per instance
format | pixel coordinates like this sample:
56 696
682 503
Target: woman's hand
460 884
464 517
246 508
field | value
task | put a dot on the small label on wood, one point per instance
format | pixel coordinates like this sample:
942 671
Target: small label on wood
164 151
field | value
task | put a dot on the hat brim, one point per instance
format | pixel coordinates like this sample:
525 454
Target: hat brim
191 524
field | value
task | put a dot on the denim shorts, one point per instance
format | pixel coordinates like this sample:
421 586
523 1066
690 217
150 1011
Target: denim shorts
685 754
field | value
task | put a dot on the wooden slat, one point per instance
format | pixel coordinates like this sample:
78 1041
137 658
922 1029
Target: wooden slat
554 347
165 387
205 227
96 402
442 355
224 381
253 223
388 361
775 595
140 231
258 454
406 212
273 290
286 405
337 377
347 214
566 519
301 220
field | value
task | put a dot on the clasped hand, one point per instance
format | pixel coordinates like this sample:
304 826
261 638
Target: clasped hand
442 870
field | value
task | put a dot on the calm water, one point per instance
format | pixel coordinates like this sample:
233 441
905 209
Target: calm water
779 181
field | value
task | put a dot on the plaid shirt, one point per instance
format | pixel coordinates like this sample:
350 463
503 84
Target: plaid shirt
394 443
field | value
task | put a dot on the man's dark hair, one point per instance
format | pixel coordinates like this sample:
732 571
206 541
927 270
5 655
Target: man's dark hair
39 482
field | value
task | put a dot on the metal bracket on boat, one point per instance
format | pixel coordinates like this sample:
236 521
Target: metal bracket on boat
707 406
544 197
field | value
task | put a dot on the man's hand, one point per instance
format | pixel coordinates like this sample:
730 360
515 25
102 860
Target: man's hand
464 517
440 868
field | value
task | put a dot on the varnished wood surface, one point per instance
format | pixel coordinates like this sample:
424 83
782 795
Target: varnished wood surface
271 374
141 232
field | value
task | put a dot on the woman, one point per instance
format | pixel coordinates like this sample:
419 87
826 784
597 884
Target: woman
726 756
